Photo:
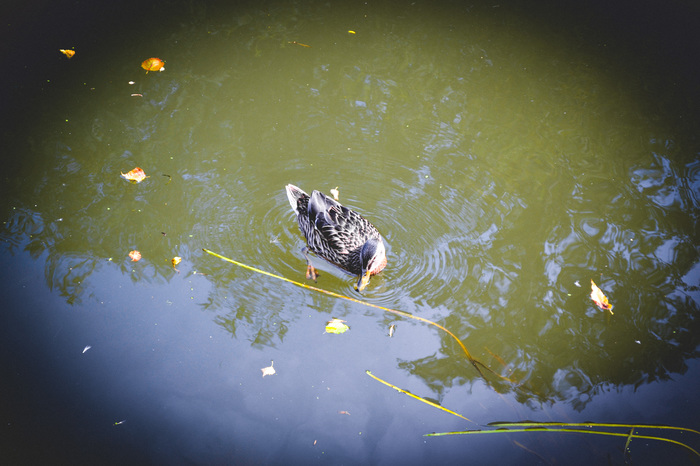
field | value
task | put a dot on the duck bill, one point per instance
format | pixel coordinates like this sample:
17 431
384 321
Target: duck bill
363 281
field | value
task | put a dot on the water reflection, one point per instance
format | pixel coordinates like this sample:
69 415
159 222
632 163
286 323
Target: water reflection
511 282
502 187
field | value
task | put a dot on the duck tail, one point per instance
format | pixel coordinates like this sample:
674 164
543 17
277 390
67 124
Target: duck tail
294 194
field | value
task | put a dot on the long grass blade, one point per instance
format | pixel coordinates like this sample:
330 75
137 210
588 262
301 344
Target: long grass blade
588 424
626 450
574 431
471 359
434 405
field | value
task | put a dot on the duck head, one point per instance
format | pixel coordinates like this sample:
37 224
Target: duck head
373 258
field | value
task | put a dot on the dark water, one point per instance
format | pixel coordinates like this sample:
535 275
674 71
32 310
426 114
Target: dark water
508 155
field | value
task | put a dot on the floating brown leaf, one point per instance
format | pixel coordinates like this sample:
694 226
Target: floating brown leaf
153 64
135 255
67 53
136 175
599 298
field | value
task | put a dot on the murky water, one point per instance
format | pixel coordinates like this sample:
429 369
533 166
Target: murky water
508 158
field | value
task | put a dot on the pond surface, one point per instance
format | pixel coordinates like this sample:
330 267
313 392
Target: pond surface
508 155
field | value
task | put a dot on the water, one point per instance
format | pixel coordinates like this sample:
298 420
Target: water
508 155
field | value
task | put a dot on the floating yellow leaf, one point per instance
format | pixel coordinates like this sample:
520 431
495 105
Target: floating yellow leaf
176 260
392 329
135 255
351 32
136 175
599 298
269 370
335 193
153 64
336 326
67 53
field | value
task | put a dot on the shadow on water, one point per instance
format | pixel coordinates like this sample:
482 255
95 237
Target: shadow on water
503 178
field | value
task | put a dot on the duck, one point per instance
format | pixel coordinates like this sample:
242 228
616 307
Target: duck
337 234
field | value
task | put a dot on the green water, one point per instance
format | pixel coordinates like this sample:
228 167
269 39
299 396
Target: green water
507 159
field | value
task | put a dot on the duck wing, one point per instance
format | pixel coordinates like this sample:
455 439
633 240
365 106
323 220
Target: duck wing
344 230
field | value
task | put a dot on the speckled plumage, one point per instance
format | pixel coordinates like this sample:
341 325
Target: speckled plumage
337 233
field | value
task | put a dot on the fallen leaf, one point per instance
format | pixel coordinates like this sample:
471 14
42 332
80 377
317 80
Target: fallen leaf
153 64
269 370
344 412
392 329
67 53
176 260
335 193
136 95
135 255
336 326
351 32
136 175
599 298
86 348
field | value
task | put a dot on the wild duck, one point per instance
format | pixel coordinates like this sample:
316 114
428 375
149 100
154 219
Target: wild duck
338 235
